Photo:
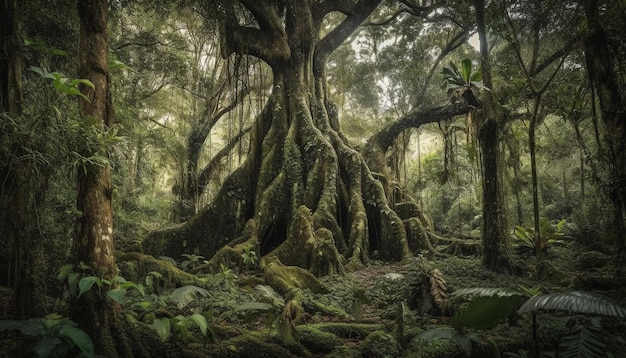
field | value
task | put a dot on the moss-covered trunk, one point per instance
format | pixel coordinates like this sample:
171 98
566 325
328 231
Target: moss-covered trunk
298 161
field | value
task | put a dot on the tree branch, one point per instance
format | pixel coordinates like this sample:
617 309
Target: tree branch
205 174
339 34
414 119
268 42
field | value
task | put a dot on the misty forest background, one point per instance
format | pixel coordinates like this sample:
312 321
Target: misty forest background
311 178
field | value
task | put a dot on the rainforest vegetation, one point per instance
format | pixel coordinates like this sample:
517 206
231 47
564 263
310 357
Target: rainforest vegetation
312 178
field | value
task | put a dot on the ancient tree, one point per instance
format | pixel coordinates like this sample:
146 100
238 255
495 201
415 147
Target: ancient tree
303 194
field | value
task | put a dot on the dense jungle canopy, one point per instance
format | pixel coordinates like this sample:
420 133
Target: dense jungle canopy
304 178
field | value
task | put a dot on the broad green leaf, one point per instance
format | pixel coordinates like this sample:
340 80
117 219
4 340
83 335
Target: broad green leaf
162 327
44 347
72 282
576 302
485 312
186 294
117 295
83 81
130 284
466 70
86 283
201 321
79 338
476 76
65 271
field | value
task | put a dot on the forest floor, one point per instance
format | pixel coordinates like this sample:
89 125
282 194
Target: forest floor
378 311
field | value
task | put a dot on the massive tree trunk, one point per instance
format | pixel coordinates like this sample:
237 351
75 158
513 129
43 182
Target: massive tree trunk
496 245
298 159
604 65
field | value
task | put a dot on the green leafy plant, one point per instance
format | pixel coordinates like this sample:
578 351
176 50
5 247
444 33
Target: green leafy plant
249 257
58 336
226 276
549 236
463 82
185 295
487 308
153 279
179 327
114 289
191 261
64 85
585 337
491 306
270 306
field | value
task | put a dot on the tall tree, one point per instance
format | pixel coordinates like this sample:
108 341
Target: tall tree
495 234
605 56
93 237
298 155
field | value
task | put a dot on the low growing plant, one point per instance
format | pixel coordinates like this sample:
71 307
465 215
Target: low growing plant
58 336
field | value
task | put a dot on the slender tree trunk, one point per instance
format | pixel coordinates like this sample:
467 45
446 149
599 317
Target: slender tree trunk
496 245
93 238
602 62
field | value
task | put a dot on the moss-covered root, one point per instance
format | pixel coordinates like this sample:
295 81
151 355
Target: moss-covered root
285 278
312 250
228 256
250 345
290 281
135 266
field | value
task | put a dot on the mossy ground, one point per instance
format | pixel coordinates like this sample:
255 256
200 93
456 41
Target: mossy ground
244 321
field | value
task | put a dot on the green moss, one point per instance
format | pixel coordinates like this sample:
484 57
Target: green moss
316 340
347 330
380 344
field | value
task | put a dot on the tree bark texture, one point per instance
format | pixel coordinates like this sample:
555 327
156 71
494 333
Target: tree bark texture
93 237
496 245
11 92
603 61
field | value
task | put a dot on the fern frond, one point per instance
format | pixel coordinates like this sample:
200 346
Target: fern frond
574 301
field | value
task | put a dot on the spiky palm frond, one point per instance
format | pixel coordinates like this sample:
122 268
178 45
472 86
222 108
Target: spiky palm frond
574 301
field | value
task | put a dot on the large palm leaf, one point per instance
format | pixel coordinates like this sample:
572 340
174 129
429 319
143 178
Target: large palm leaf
576 302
